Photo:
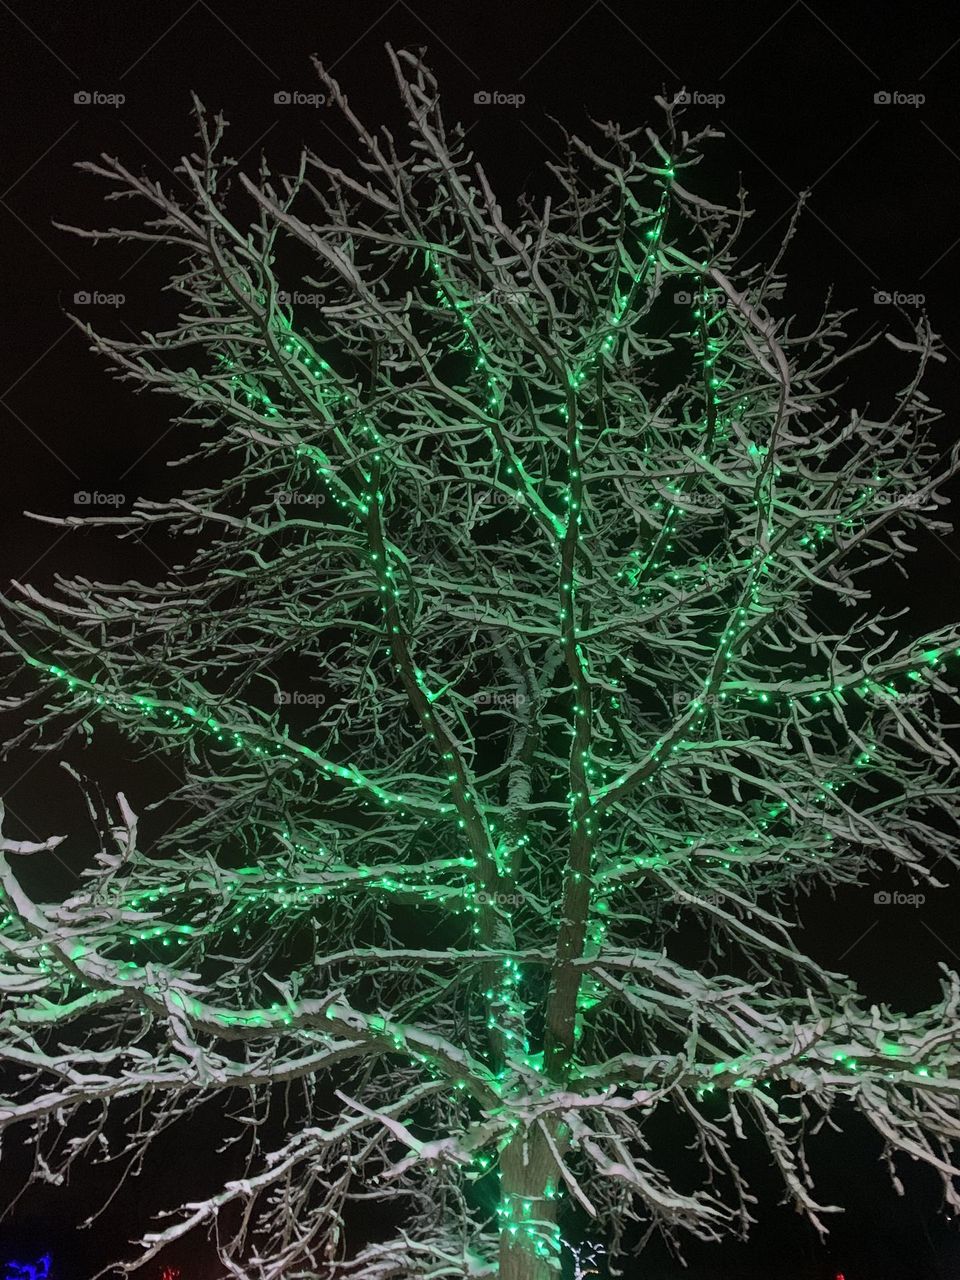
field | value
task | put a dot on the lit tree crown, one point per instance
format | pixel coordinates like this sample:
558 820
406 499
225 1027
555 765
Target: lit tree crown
520 622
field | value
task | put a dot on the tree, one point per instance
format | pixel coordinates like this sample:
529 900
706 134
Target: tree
508 636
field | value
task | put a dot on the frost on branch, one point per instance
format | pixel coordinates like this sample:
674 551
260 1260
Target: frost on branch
512 636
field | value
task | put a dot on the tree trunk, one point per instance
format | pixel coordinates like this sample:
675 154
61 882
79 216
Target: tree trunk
529 1240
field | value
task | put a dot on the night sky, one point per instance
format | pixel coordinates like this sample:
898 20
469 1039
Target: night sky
855 103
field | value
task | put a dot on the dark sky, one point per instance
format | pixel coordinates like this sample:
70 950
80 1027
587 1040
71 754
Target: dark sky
856 102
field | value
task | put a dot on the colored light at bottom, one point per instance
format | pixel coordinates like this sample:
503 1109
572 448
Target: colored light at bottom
39 1270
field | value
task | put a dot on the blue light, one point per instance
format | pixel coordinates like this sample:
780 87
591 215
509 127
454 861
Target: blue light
29 1270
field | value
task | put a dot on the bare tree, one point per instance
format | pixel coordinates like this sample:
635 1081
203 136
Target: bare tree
508 637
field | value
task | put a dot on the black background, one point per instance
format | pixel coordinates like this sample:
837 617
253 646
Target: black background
800 110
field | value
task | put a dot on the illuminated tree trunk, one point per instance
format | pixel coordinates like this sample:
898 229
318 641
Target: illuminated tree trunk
529 1243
